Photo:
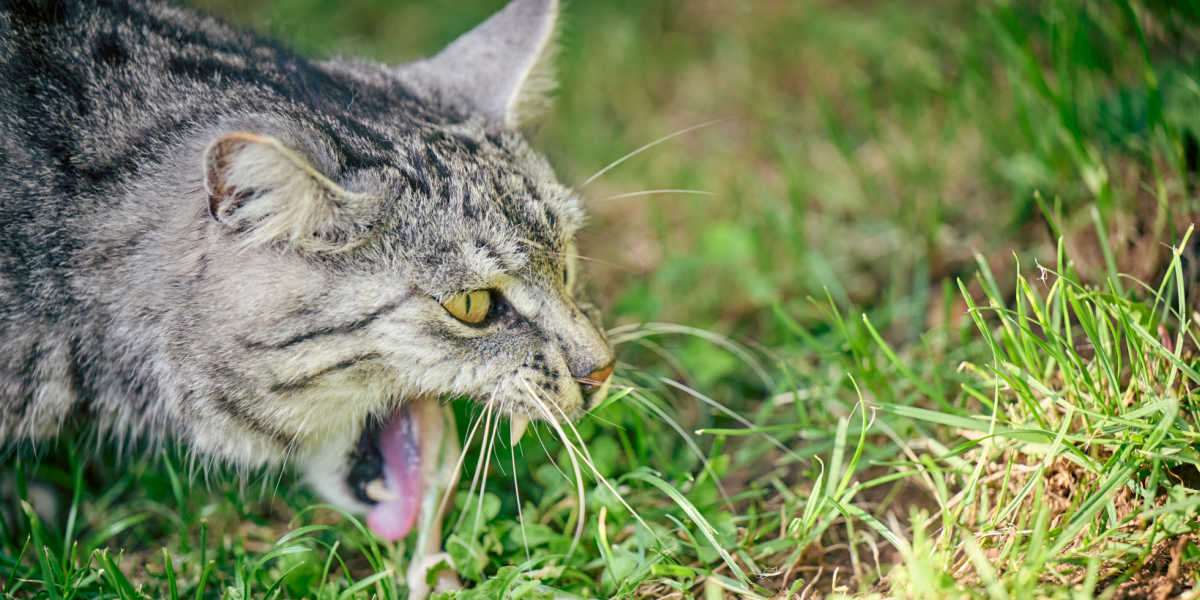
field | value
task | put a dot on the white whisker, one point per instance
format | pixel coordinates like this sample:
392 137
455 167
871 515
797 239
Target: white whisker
688 441
546 450
574 466
587 459
512 454
601 261
595 417
489 445
657 193
486 418
730 413
462 457
616 163
664 354
621 335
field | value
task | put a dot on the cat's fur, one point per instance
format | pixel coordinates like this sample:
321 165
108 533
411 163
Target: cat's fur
205 236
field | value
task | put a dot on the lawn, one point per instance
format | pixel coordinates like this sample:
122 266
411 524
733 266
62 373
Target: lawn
904 299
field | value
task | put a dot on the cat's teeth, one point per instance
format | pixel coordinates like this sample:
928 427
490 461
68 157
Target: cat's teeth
378 491
516 428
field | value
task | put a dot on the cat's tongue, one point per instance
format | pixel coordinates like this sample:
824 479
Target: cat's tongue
401 450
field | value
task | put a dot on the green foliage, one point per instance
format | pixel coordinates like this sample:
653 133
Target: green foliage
938 325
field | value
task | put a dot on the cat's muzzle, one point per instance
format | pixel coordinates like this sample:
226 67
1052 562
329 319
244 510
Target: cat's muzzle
401 466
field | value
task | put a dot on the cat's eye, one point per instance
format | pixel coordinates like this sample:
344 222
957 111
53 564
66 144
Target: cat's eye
470 307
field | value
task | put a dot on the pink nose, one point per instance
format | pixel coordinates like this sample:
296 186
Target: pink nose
597 378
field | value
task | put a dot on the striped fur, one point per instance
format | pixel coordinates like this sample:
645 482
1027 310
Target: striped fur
207 237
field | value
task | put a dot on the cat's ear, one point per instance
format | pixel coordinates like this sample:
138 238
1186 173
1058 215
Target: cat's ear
269 193
504 68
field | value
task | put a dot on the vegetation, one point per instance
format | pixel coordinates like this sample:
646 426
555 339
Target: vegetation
922 324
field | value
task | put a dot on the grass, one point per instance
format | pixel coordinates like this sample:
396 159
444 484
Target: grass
943 293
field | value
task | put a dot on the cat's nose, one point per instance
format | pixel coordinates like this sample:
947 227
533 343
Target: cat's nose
597 378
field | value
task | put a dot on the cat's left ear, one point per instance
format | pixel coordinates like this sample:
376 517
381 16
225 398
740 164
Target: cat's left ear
504 68
265 191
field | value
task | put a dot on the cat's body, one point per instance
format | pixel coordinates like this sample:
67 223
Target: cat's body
207 237
103 117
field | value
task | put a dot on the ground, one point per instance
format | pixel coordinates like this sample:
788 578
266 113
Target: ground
922 325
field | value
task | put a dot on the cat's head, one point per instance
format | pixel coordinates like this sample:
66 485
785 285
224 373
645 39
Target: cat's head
355 261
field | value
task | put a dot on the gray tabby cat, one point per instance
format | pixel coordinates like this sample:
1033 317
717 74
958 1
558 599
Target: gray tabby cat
204 236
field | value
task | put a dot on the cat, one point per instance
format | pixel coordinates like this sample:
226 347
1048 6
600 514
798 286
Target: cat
207 238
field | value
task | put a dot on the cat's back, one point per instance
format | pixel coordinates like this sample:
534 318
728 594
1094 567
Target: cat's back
91 95
99 96
88 88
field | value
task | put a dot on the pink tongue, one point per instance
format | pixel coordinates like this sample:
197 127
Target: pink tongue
393 519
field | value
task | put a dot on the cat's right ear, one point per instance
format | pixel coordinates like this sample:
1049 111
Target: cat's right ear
504 68
268 192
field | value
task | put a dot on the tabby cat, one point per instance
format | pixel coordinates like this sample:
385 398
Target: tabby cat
208 238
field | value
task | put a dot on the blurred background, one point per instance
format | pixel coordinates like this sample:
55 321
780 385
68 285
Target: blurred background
864 150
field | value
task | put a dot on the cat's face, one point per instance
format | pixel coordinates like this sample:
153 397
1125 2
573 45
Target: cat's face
376 262
461 284
490 261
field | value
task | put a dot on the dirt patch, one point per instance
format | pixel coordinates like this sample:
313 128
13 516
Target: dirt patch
1163 576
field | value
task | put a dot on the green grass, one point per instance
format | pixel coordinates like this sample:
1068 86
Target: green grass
945 342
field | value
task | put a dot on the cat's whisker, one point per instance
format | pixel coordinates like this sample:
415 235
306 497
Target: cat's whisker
571 454
664 354
587 459
488 447
623 329
730 413
657 193
262 485
480 475
512 453
601 261
462 457
688 441
608 263
539 246
287 455
616 163
486 416
642 330
190 456
591 415
546 451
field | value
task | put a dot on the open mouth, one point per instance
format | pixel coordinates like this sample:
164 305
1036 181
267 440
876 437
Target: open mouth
388 473
389 466
401 467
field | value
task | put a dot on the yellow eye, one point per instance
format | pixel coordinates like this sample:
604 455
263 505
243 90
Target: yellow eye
470 307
